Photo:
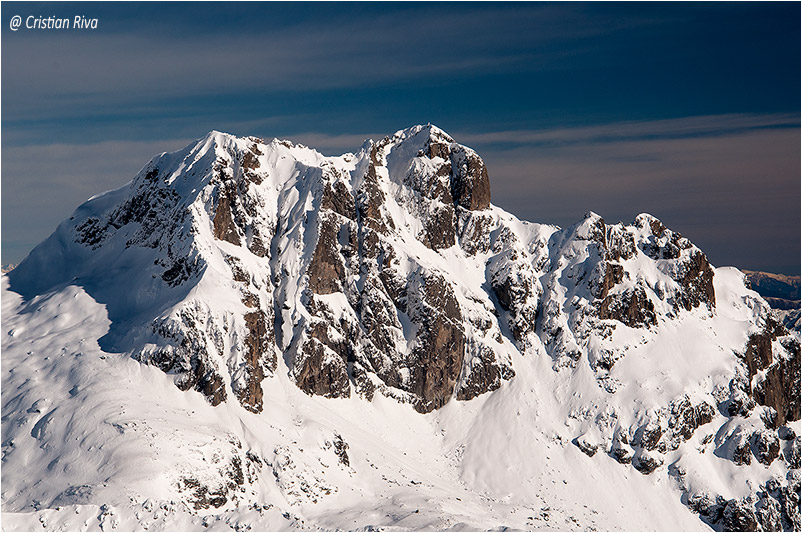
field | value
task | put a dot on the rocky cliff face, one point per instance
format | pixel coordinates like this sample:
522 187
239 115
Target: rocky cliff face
313 258
388 272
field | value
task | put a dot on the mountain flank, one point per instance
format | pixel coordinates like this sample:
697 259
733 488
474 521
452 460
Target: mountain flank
297 341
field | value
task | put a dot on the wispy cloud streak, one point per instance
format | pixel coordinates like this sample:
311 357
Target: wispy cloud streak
730 182
675 128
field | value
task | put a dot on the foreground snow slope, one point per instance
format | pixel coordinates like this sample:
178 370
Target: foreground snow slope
102 429
251 334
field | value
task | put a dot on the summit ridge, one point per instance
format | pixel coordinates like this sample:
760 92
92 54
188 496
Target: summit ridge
293 301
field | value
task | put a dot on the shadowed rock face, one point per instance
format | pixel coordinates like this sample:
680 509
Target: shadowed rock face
467 179
322 374
780 386
697 281
206 381
326 269
646 464
428 373
338 198
766 447
613 275
437 359
632 308
515 290
439 232
738 516
470 185
259 355
686 417
485 376
370 198
224 228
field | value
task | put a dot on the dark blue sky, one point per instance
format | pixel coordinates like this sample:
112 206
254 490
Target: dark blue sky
690 111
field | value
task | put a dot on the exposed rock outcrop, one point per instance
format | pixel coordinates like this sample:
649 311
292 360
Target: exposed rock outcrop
326 270
322 372
259 357
470 185
632 308
440 343
388 272
781 365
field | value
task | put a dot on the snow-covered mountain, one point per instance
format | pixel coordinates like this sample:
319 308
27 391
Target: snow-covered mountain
250 334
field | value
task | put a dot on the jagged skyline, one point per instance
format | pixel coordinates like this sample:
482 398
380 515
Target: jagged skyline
365 341
687 111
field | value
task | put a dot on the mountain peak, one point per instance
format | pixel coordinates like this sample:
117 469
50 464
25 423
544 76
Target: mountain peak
256 280
423 131
215 140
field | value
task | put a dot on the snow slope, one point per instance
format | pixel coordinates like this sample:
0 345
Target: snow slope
253 335
106 430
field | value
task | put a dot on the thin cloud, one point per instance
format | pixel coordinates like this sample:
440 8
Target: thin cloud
734 193
729 182
704 125
103 73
